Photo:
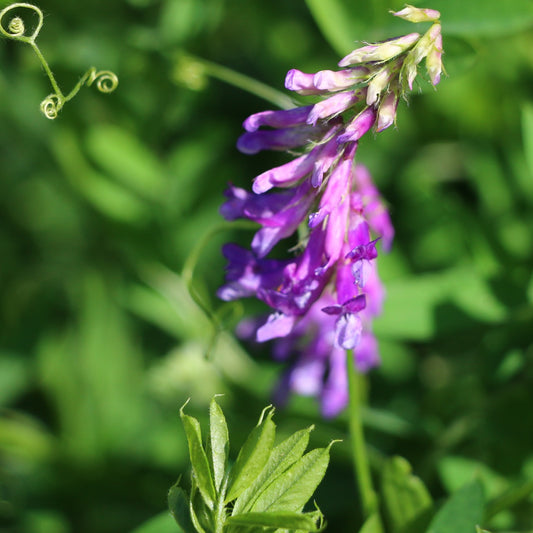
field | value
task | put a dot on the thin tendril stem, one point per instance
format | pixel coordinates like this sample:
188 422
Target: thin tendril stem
244 82
48 71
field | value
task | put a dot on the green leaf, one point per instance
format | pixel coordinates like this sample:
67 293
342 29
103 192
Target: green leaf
161 523
282 457
178 503
406 499
284 520
462 512
291 490
372 524
218 442
252 456
456 471
199 462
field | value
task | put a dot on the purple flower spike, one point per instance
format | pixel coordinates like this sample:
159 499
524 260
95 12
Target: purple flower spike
324 296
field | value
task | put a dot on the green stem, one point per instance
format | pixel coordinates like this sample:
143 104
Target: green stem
51 77
359 454
243 82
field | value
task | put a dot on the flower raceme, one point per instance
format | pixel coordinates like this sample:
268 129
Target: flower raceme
324 297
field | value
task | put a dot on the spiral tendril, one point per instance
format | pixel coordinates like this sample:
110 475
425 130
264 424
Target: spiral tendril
106 81
16 27
51 106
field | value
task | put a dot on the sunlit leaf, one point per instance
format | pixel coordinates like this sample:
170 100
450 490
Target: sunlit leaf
218 442
252 456
278 519
291 490
282 457
199 462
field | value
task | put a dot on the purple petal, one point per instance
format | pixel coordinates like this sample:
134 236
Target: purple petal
300 82
281 139
334 395
331 106
359 126
287 174
367 354
333 309
277 325
348 330
283 118
354 305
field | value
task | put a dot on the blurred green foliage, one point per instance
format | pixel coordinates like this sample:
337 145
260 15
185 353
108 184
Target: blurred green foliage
101 341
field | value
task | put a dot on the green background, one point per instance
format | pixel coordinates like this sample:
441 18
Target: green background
100 340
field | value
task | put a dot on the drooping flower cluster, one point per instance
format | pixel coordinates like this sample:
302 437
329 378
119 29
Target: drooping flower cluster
323 298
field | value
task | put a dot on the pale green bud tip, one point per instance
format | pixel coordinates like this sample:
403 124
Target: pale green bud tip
415 14
380 51
387 111
377 85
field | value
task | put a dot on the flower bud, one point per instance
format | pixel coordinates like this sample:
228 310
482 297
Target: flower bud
415 14
380 51
434 56
377 84
387 111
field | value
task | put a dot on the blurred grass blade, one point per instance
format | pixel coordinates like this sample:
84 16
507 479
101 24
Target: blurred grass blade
122 156
335 23
527 135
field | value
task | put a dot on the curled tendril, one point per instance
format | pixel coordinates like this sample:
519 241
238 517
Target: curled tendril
16 28
51 106
106 81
